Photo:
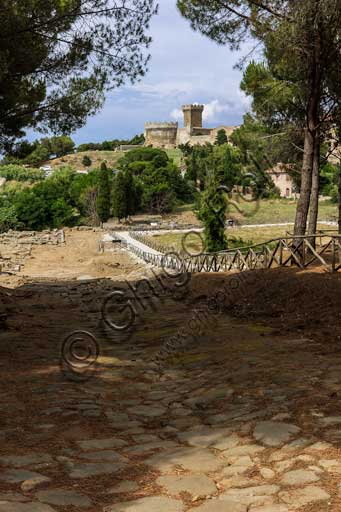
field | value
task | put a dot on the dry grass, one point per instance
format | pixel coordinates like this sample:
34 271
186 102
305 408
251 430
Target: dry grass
97 157
247 234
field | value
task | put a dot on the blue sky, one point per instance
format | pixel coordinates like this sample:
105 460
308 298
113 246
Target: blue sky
186 67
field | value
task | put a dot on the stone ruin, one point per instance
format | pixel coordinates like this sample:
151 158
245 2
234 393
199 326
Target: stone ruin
16 246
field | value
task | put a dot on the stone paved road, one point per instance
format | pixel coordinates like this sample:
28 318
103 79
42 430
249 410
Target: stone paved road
242 420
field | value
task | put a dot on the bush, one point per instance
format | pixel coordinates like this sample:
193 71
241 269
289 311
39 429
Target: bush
20 173
31 210
87 162
8 218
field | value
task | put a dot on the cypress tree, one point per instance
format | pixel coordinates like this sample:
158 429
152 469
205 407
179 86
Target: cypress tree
120 207
212 213
104 196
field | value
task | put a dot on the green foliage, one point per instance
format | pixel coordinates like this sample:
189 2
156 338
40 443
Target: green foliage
55 202
120 197
221 137
86 161
104 194
60 58
38 156
224 159
329 181
58 145
31 210
110 145
62 213
8 218
186 149
157 156
156 181
40 150
212 213
20 173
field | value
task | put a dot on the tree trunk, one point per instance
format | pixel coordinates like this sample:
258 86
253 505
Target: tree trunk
310 135
306 182
339 198
314 196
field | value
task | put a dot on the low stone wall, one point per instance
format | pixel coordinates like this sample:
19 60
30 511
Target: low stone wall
16 246
54 237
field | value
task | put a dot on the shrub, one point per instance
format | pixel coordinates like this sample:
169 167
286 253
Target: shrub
86 161
8 218
20 173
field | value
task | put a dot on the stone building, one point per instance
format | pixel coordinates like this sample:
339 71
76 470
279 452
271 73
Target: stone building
168 135
283 181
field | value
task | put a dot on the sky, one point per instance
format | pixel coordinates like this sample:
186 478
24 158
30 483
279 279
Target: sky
185 67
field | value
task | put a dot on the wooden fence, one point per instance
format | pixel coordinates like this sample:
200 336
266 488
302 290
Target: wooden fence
299 251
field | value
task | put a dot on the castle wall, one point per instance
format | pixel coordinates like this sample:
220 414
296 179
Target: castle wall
161 135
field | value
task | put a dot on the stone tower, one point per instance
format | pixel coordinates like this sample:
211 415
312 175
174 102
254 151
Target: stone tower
192 116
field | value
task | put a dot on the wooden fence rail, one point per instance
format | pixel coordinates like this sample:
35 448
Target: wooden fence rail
299 251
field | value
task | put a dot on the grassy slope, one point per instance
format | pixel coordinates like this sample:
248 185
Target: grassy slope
97 157
251 235
278 210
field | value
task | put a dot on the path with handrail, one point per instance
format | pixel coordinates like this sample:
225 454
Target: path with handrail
300 251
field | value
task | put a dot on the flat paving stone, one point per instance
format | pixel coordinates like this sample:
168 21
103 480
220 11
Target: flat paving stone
221 439
18 475
101 444
147 410
197 485
301 497
93 469
256 495
13 496
154 504
32 483
271 508
272 433
331 465
26 507
240 451
63 498
220 506
299 477
194 459
107 455
123 487
19 461
142 448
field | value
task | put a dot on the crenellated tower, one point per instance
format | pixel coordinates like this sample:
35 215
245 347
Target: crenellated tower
192 116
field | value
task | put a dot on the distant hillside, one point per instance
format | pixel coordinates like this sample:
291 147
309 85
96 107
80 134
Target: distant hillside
97 157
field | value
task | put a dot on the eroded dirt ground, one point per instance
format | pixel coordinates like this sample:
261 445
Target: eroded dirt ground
244 417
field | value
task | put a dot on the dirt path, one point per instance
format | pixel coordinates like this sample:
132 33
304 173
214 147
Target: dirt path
241 418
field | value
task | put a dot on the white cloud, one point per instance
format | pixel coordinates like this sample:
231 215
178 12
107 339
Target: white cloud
164 89
246 101
176 114
214 108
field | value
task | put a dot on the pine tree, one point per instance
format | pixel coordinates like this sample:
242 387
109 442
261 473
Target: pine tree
104 196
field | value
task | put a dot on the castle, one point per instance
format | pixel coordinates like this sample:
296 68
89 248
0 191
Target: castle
169 135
